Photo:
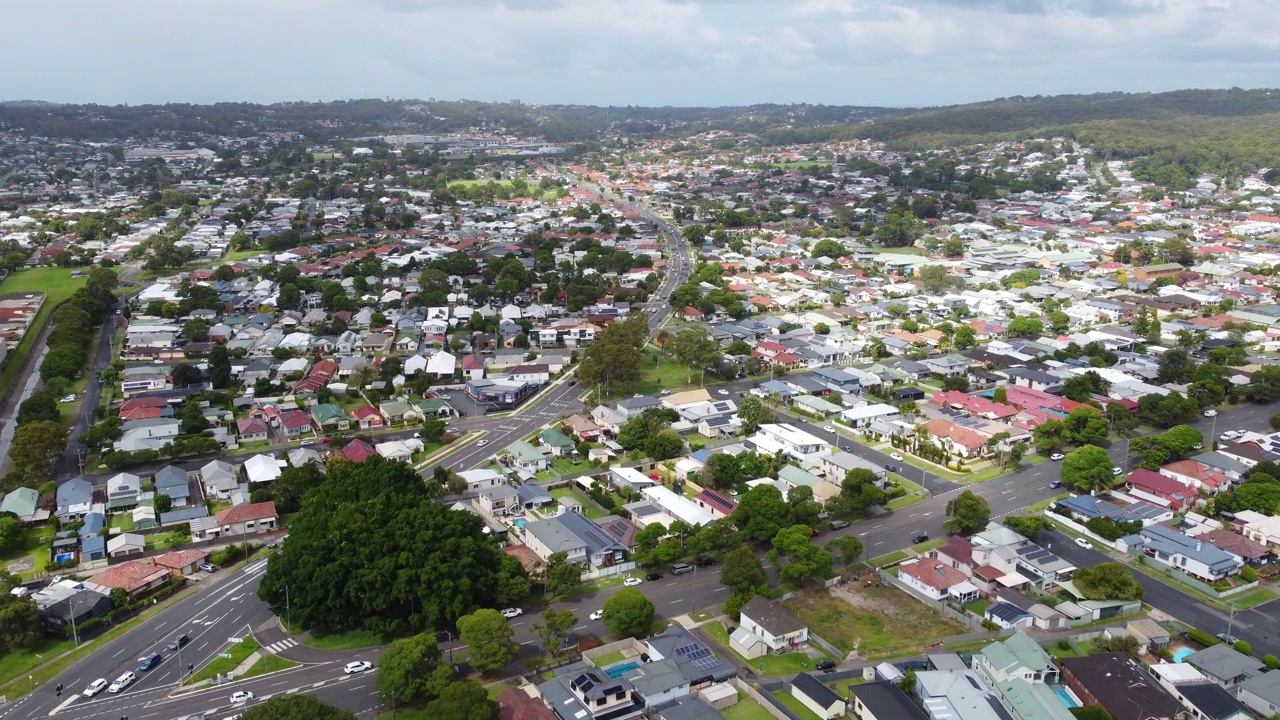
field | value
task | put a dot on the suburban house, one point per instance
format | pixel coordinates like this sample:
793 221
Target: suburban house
1116 683
820 699
251 429
1017 658
523 456
883 700
237 522
580 539
134 577
1182 552
219 479
765 626
1225 665
937 581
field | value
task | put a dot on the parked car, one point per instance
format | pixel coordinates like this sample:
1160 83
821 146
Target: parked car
512 612
358 666
122 682
651 577
826 666
681 568
828 428
241 697
1056 456
95 687
179 642
705 561
596 615
919 538
631 582
838 524
896 456
1055 484
722 392
1210 413
1084 543
1227 639
67 399
146 662
207 567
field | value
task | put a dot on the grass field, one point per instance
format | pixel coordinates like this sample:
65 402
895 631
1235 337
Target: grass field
57 285
268 664
887 559
874 621
746 709
17 663
239 652
656 374
353 640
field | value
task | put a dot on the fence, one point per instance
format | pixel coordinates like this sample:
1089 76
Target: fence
966 619
770 705
609 571
773 704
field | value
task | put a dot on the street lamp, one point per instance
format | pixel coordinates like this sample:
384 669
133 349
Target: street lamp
449 635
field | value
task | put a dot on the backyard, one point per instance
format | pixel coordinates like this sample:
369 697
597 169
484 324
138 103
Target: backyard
874 621
589 506
746 709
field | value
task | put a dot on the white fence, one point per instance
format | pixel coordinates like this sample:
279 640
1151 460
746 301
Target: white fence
609 571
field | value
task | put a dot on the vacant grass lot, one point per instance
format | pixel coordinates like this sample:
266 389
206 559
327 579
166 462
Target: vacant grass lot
57 285
876 620
657 374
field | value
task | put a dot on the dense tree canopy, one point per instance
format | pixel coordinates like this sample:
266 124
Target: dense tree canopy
295 707
369 549
1107 581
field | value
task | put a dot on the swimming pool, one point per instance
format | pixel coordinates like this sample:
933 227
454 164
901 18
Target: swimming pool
1066 698
621 669
1181 654
520 523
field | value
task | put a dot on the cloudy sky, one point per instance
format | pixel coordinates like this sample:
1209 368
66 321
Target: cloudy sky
630 52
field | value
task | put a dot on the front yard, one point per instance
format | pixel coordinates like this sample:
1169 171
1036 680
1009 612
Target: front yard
788 664
875 621
589 507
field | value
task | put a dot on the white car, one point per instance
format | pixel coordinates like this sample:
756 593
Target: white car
67 399
1228 435
1210 412
631 582
722 392
1056 456
896 456
509 613
1117 471
95 687
596 615
241 697
828 428
1083 543
358 666
637 395
481 443
122 682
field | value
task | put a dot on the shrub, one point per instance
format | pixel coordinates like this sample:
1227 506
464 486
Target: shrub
1248 574
1243 647
1271 661
1201 638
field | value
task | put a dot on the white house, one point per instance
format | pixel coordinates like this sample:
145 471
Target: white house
778 629
788 438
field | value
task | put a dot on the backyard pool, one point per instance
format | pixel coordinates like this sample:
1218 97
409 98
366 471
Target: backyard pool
520 523
1181 654
621 669
64 557
1066 698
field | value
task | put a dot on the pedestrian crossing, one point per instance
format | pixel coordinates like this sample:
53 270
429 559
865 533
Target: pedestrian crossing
276 647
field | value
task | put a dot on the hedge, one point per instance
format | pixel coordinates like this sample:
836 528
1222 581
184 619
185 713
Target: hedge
1201 637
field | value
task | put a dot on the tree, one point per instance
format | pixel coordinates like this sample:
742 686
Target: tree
163 503
628 613
849 548
219 367
953 247
1085 426
554 628
513 580
761 512
35 446
41 405
20 626
968 513
804 509
614 356
798 558
196 330
899 230
295 707
1081 387
410 670
742 569
562 576
966 338
750 412
827 248
62 361
1088 469
1166 410
664 444
463 700
1120 417
417 564
1001 394
1173 366
490 639
859 492
1107 581
1028 526
696 349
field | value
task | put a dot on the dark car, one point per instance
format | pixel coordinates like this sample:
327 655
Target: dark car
179 642
919 538
826 666
148 662
572 383
653 576
705 562
890 468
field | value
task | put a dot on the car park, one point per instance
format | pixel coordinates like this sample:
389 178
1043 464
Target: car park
122 682
146 662
511 612
838 524
1084 543
95 687
631 582
241 697
653 576
178 642
358 666
1056 456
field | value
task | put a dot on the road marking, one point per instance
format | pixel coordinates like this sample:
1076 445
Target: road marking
673 602
276 647
580 627
527 642
722 587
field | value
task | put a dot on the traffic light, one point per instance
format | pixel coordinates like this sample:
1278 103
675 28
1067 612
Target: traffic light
58 690
191 667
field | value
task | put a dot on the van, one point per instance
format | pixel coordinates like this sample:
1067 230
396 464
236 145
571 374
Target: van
179 642
681 568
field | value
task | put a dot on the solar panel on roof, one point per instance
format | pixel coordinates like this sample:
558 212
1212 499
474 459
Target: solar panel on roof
686 649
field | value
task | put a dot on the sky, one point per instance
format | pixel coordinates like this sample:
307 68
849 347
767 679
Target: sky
900 53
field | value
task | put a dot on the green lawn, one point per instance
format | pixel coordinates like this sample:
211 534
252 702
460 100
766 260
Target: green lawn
928 545
978 607
789 664
567 467
589 506
57 285
352 640
795 706
1044 504
887 559
17 663
746 709
268 664
238 652
122 521
845 687
885 622
608 659
656 374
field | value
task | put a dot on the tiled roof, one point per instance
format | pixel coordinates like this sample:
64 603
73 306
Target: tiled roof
245 513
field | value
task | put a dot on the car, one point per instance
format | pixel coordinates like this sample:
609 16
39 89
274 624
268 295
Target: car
919 538
1227 639
665 392
826 666
596 615
417 435
207 567
572 383
95 687
1198 446
1117 471
651 577
512 612
358 666
631 582
122 682
722 392
838 524
1055 484
887 466
828 428
481 443
146 662
638 395
896 456
67 399
178 642
241 697
705 561
1210 413
1228 435
1056 456
815 532
1084 543
681 568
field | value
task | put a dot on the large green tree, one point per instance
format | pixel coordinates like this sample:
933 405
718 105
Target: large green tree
742 570
798 558
967 513
1088 469
370 549
614 357
629 613
761 512
464 700
696 349
1107 581
490 640
295 707
554 628
20 626
410 670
